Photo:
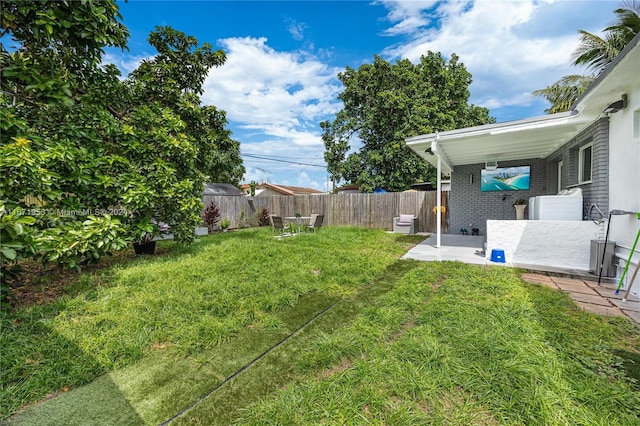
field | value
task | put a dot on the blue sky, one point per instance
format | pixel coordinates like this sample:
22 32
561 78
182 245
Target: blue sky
280 77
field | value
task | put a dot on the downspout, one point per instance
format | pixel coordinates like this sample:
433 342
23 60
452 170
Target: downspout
434 149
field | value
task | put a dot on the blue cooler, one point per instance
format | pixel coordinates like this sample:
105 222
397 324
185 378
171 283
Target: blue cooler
497 255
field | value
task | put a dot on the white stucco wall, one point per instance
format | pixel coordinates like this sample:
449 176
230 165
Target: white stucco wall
624 177
563 245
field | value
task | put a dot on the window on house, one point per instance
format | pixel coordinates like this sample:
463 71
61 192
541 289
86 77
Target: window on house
560 183
585 158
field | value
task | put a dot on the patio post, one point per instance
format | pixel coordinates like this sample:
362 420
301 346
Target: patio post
439 193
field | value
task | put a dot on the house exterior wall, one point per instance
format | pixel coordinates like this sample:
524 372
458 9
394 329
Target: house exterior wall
471 208
597 191
624 179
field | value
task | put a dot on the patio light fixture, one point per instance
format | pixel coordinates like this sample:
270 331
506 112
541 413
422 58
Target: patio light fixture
616 106
491 164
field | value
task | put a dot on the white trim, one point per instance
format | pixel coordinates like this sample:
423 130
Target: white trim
587 182
536 137
560 166
581 163
434 146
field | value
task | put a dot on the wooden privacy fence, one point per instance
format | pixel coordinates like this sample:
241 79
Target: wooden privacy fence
366 210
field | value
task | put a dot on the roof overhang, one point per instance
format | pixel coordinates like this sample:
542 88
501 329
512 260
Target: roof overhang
535 137
620 77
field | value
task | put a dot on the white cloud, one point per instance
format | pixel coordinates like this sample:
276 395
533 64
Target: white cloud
287 162
296 29
305 181
125 63
282 94
408 16
275 100
510 47
257 174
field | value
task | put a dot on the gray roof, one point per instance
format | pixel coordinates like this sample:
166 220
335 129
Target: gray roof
221 189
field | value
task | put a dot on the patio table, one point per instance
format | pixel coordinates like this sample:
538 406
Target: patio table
298 221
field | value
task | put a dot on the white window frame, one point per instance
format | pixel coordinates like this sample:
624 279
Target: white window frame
581 164
560 165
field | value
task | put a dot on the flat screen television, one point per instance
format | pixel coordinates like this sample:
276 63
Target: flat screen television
505 179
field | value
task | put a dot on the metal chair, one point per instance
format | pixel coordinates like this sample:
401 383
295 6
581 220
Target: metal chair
315 222
278 225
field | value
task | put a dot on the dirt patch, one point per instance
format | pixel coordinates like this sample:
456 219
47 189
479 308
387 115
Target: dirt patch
337 369
39 284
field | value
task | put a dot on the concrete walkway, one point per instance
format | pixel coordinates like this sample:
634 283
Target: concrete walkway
585 291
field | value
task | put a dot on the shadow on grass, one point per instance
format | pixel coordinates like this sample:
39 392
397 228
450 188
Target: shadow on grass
278 367
159 386
98 403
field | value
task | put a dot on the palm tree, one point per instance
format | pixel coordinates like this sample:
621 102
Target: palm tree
595 53
563 93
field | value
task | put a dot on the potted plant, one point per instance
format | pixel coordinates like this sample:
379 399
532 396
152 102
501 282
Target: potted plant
224 224
520 205
146 230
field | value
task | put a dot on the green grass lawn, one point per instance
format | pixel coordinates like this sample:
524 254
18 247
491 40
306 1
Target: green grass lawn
330 328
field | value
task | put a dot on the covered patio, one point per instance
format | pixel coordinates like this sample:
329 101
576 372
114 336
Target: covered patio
590 152
517 142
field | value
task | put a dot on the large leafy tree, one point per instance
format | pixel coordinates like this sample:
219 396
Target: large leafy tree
81 142
173 79
51 130
383 104
595 53
174 141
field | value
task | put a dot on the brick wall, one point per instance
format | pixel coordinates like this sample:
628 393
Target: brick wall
471 208
596 192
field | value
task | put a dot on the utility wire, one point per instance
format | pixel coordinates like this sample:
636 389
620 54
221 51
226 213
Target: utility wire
280 157
283 161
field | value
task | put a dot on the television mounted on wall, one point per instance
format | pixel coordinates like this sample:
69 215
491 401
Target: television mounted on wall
505 179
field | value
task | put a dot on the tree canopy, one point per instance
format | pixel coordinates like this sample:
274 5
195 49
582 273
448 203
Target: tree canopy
90 162
385 103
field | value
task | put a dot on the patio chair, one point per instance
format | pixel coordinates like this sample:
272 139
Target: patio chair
315 222
312 221
278 226
405 224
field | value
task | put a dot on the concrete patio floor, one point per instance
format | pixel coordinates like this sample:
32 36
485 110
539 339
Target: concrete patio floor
582 288
463 248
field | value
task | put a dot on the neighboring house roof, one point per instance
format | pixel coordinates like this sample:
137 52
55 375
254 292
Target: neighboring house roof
428 186
221 189
354 187
288 190
535 137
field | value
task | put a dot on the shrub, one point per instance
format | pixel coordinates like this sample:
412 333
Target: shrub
263 217
246 221
211 215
